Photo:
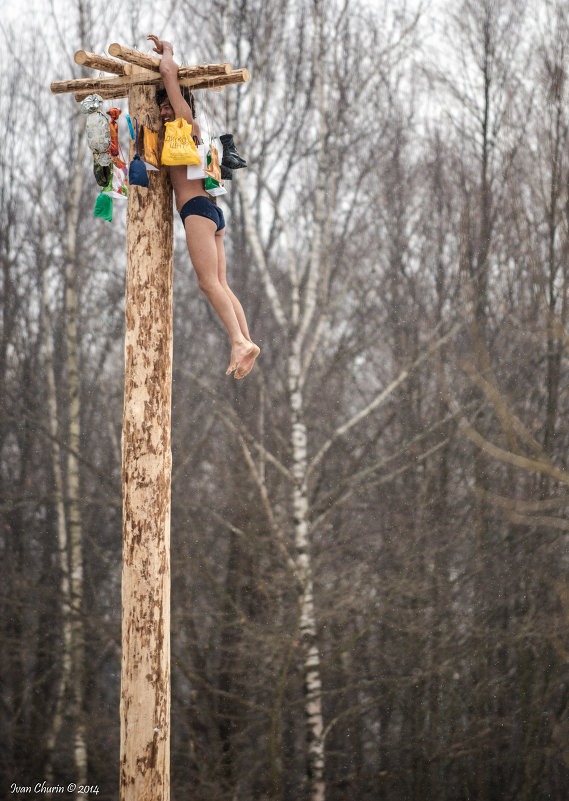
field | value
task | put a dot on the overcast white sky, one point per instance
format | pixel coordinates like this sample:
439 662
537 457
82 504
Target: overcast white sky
23 13
160 15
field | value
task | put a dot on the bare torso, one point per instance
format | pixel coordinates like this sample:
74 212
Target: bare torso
184 190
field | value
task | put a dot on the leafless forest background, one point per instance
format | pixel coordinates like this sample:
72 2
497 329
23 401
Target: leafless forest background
369 534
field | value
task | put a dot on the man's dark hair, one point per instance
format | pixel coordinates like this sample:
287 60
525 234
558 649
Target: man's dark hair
162 95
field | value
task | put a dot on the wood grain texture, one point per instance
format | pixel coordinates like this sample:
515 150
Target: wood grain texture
146 449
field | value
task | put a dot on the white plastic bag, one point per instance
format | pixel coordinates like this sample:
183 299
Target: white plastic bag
196 171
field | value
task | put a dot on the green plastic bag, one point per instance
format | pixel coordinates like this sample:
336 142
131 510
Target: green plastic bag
210 183
104 207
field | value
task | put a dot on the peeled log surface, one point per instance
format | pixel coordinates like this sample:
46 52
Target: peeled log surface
153 62
106 94
96 62
135 57
235 76
146 472
202 70
118 87
121 88
96 83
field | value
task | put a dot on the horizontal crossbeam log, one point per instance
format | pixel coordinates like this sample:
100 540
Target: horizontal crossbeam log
102 63
153 62
203 70
96 83
135 57
219 81
117 87
187 76
106 94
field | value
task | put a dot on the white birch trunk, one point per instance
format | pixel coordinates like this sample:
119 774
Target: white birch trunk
313 685
306 289
65 589
313 682
74 442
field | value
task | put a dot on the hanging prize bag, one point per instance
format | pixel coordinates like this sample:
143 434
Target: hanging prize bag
197 171
213 174
137 175
104 202
179 147
102 172
115 149
104 207
96 126
120 182
149 150
213 170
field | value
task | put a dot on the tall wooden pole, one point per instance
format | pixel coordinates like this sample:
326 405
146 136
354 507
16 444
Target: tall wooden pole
145 673
146 448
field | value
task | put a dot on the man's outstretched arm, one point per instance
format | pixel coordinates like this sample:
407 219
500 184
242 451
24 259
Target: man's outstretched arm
169 75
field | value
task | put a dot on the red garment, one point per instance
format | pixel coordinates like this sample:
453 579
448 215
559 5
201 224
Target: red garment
114 149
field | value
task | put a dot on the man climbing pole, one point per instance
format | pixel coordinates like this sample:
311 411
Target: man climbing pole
204 224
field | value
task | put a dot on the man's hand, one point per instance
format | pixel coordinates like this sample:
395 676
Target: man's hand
169 74
160 46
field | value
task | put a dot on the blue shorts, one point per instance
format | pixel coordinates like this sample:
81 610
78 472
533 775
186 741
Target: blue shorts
203 207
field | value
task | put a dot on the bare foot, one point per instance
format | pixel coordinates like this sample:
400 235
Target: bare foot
246 364
242 354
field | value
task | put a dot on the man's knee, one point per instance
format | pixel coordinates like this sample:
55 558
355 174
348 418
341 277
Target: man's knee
207 283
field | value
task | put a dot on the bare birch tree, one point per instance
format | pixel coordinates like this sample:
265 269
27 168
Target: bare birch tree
333 116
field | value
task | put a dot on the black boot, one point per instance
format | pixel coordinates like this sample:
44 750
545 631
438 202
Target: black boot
226 173
231 157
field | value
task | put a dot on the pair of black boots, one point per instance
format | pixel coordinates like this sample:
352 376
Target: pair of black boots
231 159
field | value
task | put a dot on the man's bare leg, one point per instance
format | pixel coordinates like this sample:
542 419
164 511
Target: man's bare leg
201 241
222 275
246 365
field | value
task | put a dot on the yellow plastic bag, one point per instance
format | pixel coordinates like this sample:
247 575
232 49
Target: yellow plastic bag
148 146
179 147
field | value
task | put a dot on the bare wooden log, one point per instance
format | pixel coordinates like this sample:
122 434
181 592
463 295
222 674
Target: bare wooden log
95 83
218 81
135 57
215 83
204 70
106 94
146 471
123 90
118 87
96 62
153 63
